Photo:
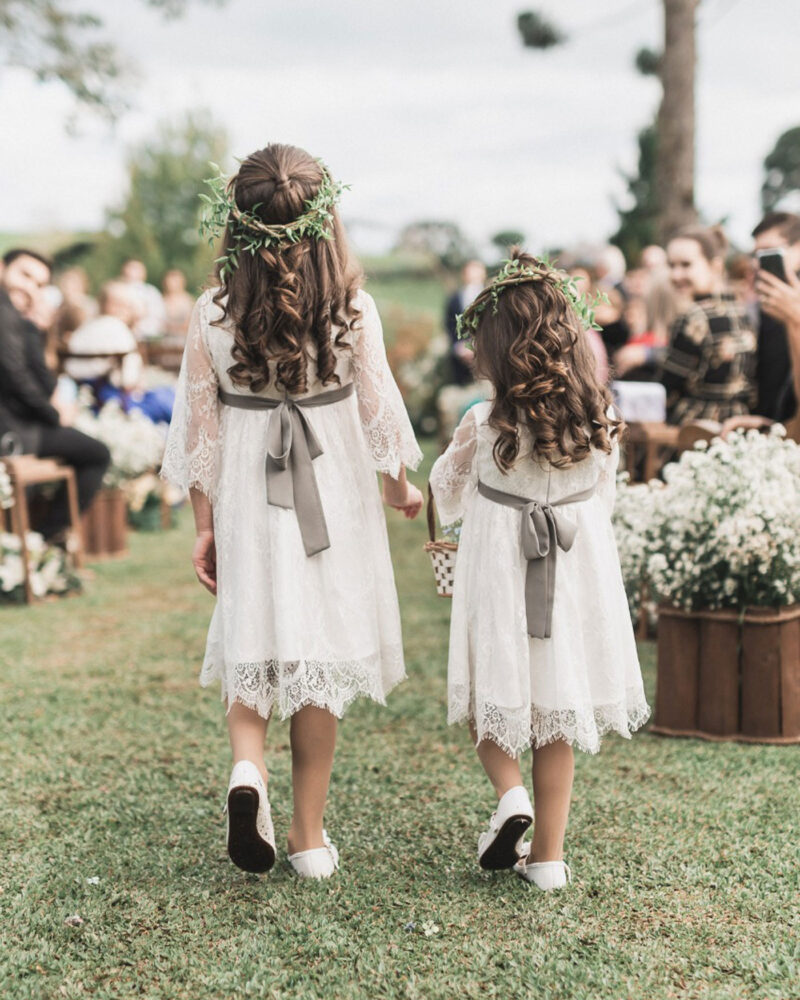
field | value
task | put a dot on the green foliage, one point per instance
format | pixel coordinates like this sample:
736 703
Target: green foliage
56 42
537 32
648 62
115 764
250 233
508 238
441 239
782 166
639 224
514 272
158 222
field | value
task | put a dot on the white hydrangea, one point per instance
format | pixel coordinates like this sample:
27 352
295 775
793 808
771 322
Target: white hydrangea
722 530
135 442
6 492
48 566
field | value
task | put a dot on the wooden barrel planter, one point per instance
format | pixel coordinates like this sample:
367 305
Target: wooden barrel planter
105 525
726 676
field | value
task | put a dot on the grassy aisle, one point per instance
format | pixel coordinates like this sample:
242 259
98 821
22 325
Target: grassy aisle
114 765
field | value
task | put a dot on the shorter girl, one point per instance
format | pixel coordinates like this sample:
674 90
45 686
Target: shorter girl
542 652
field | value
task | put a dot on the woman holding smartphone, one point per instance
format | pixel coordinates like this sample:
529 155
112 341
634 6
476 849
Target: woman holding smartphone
709 365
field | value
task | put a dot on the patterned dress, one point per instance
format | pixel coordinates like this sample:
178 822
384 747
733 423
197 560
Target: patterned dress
709 367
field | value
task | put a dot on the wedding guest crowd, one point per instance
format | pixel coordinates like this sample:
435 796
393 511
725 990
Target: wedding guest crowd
719 332
30 420
56 339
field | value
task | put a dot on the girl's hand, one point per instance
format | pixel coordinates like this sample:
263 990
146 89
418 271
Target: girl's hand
399 494
779 299
204 560
413 504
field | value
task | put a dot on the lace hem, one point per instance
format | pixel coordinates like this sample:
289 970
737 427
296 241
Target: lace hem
291 685
516 731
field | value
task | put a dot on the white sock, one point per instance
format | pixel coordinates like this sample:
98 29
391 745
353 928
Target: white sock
548 875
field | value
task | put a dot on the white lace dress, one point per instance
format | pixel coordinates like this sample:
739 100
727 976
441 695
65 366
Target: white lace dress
520 691
290 630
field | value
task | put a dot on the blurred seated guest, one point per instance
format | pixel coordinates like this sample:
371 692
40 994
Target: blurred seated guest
641 358
608 315
473 280
119 378
609 270
77 306
739 272
709 364
653 260
105 335
178 305
150 315
778 353
29 422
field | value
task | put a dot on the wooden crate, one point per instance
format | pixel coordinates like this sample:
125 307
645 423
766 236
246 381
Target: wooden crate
105 525
726 676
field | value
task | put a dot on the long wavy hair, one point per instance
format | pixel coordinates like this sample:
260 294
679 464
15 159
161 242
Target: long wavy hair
285 302
537 356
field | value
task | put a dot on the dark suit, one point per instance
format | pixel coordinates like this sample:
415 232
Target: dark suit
460 371
26 383
774 382
28 421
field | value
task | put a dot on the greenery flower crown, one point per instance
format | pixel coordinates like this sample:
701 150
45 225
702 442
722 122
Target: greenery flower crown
249 233
512 273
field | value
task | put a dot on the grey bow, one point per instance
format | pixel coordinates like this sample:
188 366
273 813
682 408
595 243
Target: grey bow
292 446
544 531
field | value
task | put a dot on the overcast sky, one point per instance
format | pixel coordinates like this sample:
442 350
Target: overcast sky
428 108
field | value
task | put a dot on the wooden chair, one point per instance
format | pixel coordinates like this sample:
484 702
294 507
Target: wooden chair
25 471
651 445
166 354
697 430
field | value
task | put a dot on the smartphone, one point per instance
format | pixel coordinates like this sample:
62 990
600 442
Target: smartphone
773 262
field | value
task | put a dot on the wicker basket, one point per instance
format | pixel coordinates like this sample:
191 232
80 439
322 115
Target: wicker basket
443 555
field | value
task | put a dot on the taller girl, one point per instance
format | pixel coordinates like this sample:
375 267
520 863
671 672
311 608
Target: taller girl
285 408
542 652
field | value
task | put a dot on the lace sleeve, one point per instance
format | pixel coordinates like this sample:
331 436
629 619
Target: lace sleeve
454 475
191 448
384 419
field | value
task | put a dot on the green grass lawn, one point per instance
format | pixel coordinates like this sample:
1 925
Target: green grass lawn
114 768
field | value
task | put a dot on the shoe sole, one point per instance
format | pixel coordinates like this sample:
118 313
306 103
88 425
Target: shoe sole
246 847
502 853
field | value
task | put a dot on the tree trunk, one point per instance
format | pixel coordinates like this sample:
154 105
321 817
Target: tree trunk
674 178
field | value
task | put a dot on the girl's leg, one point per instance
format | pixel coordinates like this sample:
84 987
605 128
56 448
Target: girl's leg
503 771
553 768
247 731
313 739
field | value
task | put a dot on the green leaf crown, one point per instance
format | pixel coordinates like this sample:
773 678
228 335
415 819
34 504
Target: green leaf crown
514 272
249 233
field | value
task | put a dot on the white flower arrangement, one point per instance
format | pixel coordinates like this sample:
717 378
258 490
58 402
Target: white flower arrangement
721 531
48 565
631 527
135 442
6 492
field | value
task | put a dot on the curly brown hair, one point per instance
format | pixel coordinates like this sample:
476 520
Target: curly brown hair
285 302
536 355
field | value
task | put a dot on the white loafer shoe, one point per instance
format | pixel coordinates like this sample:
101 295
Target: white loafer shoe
250 836
499 847
545 875
319 862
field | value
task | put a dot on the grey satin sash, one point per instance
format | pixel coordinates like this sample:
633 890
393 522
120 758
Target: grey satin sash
292 446
544 531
